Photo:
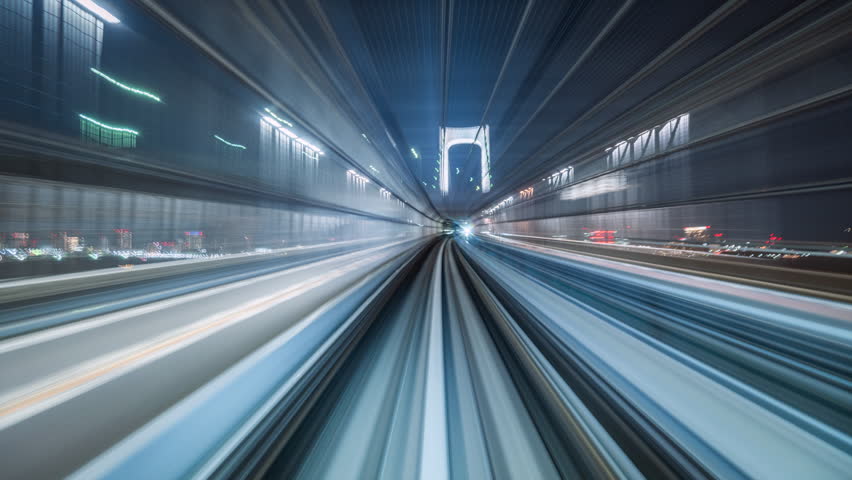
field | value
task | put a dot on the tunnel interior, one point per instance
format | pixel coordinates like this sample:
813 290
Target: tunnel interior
425 239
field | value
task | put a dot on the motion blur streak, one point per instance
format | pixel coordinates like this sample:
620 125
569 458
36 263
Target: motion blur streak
425 239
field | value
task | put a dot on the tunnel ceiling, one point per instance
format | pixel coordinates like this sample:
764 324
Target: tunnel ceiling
543 75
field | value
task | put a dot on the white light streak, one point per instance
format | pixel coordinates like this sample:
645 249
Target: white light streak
235 145
108 127
126 87
276 117
272 122
357 176
99 11
309 146
288 133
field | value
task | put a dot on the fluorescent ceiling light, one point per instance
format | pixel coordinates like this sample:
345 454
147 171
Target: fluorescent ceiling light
99 11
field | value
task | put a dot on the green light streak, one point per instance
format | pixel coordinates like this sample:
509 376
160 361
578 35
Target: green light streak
108 127
126 87
276 117
235 145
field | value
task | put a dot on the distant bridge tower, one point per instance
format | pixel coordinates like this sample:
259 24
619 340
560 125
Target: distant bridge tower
451 136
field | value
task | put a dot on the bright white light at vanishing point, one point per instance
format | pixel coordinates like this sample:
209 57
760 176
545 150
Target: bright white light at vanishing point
99 11
467 230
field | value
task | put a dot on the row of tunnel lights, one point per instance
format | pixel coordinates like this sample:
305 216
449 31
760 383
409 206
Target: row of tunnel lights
106 16
141 93
527 192
276 121
272 119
